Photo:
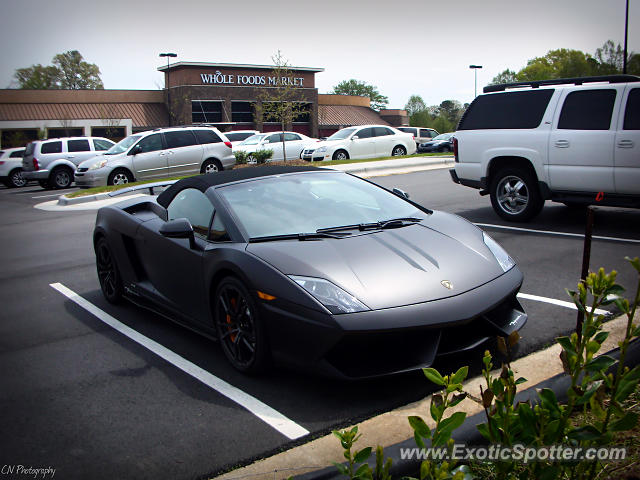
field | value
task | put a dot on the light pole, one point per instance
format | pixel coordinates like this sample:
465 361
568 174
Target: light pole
475 76
626 32
168 84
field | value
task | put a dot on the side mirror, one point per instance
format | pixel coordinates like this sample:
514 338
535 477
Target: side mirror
355 137
400 193
135 150
179 228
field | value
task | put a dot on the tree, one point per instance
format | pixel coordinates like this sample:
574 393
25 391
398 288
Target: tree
508 76
415 105
69 71
357 87
283 103
37 77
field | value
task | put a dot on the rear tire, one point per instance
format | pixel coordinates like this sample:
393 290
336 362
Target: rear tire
61 177
240 331
398 150
211 165
108 274
15 179
119 177
514 194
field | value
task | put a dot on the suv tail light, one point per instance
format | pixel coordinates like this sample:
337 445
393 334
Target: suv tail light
455 149
35 164
228 144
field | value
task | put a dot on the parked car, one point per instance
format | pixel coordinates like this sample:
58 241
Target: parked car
294 143
363 141
238 136
310 267
441 143
575 141
11 167
420 134
52 162
159 153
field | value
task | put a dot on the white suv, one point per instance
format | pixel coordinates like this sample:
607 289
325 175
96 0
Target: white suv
52 162
160 153
575 141
11 167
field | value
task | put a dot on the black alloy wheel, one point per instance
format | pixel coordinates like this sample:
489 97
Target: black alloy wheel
239 329
108 275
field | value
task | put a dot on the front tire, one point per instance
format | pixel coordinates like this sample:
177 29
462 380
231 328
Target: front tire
15 179
240 331
398 150
211 166
119 177
61 177
108 274
514 195
340 155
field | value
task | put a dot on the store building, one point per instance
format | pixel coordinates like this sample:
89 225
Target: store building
227 96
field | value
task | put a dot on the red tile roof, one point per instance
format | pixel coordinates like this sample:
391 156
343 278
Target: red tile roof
342 115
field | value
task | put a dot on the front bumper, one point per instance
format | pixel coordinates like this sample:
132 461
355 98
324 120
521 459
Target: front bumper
90 178
393 340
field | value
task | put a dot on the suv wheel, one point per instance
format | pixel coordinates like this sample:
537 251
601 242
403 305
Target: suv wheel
119 177
514 195
61 177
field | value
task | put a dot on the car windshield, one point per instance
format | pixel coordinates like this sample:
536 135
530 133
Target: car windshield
253 140
443 136
123 145
342 134
309 201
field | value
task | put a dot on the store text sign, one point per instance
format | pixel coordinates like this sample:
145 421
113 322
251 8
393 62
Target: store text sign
219 78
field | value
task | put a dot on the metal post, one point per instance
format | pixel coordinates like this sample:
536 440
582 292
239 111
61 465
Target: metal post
586 257
475 75
626 31
168 82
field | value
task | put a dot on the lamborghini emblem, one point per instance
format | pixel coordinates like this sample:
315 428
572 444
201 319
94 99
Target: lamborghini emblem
447 284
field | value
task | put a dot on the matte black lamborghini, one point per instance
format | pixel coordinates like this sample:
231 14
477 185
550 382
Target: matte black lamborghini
309 267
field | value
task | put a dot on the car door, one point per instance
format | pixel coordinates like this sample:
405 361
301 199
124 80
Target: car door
627 145
581 142
184 153
150 157
364 146
79 150
294 144
385 140
174 268
274 142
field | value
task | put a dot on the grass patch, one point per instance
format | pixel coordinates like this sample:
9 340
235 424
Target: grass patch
294 162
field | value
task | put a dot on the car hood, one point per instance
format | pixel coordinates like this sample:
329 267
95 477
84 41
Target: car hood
325 143
91 160
393 267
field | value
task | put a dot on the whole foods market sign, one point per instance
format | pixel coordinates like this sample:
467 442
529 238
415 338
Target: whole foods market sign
220 78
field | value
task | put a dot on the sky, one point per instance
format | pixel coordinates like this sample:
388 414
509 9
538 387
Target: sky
402 47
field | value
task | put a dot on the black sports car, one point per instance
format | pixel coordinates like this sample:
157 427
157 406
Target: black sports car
441 143
309 267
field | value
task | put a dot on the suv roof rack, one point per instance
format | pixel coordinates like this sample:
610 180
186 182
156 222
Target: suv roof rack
563 81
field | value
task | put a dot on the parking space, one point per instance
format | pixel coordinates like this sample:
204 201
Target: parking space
116 391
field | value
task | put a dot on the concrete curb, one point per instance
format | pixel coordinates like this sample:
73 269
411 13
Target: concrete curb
366 169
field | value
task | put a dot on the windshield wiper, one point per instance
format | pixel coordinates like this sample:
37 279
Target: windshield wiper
298 236
392 223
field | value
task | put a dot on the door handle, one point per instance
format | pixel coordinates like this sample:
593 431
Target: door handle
625 144
71 156
562 143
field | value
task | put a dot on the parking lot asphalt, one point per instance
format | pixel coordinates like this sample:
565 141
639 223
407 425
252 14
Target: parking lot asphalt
81 397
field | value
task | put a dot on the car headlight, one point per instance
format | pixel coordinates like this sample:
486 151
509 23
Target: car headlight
331 296
503 258
98 164
321 150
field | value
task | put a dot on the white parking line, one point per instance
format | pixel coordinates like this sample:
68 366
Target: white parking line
561 303
52 195
267 414
562 234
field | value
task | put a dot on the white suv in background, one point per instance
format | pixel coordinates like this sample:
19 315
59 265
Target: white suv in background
575 141
362 141
11 167
52 162
160 153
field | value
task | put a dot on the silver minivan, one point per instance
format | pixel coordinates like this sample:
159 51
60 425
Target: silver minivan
52 162
160 153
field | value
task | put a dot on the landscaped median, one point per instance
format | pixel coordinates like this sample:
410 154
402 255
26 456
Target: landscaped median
386 164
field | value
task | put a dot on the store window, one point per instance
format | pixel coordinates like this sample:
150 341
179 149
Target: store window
205 111
242 112
113 133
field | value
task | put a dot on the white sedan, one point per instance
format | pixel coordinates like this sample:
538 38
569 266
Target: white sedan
293 144
362 141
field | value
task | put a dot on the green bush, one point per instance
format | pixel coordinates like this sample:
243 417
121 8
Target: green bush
241 156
